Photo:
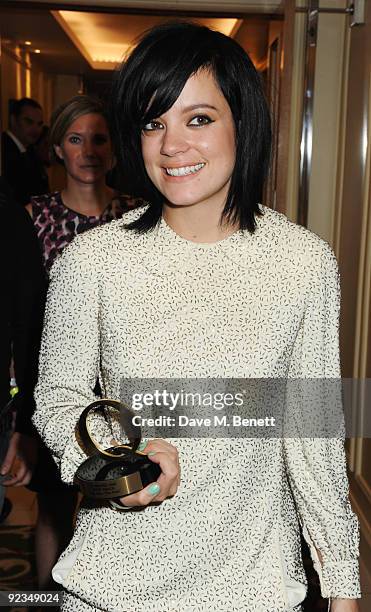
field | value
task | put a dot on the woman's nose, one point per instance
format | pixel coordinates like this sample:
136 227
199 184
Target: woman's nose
88 149
173 142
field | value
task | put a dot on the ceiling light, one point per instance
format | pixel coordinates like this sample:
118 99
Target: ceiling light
28 43
103 39
37 51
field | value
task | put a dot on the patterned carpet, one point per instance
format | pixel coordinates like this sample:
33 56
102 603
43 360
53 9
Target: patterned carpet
17 568
17 561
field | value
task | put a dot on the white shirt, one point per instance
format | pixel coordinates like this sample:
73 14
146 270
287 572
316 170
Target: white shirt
17 142
156 305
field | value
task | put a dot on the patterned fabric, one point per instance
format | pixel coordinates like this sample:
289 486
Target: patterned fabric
77 605
18 551
251 306
57 225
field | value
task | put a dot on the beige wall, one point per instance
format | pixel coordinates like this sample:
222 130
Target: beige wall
20 78
352 241
330 58
289 203
253 37
275 30
65 86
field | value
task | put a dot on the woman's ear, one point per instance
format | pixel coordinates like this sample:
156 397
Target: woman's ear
58 151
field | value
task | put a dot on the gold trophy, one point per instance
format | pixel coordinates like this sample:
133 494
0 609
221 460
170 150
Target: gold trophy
117 471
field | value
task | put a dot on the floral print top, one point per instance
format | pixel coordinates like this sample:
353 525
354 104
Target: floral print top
57 225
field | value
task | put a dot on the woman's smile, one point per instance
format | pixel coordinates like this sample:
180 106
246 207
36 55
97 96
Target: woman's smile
184 171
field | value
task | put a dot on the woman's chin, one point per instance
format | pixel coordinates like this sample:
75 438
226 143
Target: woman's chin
180 204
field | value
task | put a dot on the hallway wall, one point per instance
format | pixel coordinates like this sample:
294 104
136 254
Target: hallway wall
19 78
331 58
353 248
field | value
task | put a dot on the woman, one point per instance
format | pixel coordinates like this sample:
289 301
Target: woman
216 286
81 141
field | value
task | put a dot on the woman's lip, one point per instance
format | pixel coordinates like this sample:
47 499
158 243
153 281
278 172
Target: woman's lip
182 177
175 166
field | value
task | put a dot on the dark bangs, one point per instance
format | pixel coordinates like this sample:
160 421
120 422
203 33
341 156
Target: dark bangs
150 81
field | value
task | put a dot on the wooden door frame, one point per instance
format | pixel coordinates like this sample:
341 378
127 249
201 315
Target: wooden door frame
283 139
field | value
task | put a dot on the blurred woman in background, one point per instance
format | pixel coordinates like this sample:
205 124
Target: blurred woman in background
80 140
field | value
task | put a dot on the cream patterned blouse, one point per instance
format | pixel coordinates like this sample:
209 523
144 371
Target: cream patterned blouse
157 305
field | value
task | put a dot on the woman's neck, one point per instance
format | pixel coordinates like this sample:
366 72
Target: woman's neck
198 223
90 200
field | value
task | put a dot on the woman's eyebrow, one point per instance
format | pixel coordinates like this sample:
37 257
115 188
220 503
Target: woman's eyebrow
200 105
82 133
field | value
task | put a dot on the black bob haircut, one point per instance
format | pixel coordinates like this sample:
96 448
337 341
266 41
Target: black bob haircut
151 79
17 106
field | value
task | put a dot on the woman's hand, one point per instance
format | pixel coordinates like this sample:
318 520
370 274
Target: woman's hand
20 460
344 605
166 456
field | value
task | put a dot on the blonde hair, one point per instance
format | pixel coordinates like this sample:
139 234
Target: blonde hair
66 114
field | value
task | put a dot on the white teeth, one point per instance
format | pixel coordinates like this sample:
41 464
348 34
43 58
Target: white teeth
184 171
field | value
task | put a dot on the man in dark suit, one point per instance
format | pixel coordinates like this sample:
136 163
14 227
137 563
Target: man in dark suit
23 285
21 167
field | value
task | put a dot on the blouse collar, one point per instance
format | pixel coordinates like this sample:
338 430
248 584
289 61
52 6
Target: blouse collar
164 252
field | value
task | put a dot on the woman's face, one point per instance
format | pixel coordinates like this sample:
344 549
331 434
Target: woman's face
86 149
189 152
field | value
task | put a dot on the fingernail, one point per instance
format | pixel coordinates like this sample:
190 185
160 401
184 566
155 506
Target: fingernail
151 453
154 489
142 445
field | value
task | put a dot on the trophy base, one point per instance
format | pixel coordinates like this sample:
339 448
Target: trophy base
105 477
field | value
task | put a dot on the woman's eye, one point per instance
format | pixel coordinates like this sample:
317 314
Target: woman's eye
152 125
100 139
200 120
74 139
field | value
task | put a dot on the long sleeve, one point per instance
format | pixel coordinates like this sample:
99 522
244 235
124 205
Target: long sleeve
69 358
27 308
23 283
316 466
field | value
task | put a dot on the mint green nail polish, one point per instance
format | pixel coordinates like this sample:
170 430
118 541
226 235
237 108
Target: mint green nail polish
151 453
142 445
154 489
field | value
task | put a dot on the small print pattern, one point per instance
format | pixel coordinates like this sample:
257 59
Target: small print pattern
77 605
57 225
156 305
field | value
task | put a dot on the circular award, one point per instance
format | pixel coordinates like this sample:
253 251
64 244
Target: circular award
119 470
